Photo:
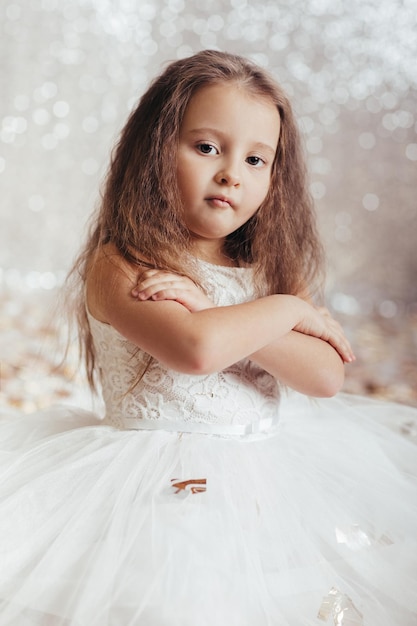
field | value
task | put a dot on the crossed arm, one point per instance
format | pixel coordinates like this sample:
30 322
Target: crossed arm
169 317
308 357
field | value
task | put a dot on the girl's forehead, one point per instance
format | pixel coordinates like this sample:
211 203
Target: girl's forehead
232 107
239 90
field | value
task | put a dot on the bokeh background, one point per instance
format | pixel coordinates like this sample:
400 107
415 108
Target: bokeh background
71 70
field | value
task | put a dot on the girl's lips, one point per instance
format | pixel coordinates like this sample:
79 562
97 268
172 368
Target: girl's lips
220 201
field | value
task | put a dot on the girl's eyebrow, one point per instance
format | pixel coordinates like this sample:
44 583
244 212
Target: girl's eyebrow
258 145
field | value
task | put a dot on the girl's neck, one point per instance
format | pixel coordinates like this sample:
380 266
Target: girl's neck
212 253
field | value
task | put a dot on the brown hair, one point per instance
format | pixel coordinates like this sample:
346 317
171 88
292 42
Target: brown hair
140 212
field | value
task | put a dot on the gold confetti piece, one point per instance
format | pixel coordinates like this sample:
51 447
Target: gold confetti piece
194 485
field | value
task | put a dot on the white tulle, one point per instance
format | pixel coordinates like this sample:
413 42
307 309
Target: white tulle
307 521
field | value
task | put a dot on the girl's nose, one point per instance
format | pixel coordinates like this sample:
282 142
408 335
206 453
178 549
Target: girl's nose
228 176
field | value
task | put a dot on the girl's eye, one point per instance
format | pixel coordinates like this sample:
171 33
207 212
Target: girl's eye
255 161
206 148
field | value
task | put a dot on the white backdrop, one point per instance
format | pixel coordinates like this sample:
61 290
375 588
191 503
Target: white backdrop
72 69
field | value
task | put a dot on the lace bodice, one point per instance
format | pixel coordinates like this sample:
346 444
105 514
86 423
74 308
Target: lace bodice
240 394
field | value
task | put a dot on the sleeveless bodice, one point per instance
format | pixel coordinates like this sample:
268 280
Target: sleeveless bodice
240 394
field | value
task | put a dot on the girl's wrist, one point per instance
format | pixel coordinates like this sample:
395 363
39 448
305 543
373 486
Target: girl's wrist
291 306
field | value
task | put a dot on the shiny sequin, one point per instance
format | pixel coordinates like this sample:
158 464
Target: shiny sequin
353 537
339 608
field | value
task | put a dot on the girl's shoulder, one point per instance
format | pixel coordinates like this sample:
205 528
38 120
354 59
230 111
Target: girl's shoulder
108 275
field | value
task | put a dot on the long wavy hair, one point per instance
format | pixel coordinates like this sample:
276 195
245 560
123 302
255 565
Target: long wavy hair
141 210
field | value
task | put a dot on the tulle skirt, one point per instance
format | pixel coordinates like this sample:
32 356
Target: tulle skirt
314 522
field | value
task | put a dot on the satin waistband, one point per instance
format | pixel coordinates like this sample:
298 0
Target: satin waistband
262 428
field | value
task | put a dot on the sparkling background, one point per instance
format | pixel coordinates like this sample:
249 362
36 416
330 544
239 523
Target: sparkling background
72 70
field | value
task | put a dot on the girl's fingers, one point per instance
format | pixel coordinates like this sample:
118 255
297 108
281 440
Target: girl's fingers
169 293
152 280
338 340
159 285
343 347
191 300
150 291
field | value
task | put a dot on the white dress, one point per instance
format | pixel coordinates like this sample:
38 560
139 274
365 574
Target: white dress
206 501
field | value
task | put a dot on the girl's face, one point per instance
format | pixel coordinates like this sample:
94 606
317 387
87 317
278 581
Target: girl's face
227 144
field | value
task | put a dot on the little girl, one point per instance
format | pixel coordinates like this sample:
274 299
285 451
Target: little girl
209 495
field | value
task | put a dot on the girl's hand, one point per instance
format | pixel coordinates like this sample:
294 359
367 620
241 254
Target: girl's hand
162 285
319 323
